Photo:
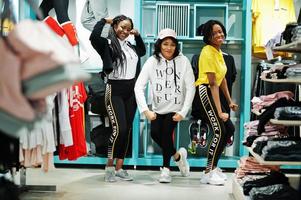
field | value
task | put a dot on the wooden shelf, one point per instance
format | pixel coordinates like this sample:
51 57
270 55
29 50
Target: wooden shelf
286 80
237 191
263 162
286 122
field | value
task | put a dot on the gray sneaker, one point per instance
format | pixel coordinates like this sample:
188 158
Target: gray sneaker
165 175
123 175
110 174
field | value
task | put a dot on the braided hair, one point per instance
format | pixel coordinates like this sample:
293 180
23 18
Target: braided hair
206 30
118 55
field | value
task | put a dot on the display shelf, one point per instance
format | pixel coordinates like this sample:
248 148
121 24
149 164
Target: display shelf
286 122
237 191
263 162
197 39
286 80
294 47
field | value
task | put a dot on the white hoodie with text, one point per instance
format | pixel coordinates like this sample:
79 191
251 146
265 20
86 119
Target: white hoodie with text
171 84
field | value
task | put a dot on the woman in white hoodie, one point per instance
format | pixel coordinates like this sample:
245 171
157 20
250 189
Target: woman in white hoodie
172 89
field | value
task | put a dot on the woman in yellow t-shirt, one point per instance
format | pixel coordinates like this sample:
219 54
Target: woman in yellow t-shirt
211 77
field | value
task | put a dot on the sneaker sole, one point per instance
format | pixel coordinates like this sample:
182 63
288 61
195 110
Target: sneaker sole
211 183
164 181
110 181
125 179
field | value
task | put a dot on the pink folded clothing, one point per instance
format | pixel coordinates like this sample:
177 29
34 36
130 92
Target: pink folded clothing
266 100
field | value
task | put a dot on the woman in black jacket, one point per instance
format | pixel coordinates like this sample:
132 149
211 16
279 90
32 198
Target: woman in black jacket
121 65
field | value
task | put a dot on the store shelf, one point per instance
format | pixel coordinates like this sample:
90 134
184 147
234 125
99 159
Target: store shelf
237 191
286 80
286 122
263 162
228 40
294 47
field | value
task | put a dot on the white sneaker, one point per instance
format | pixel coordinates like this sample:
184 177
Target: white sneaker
221 174
110 174
165 175
183 163
123 175
212 178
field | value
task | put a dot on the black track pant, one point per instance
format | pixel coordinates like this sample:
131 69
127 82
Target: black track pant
121 107
60 7
221 130
162 133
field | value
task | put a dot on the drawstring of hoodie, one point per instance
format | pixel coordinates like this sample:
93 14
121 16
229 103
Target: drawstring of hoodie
175 72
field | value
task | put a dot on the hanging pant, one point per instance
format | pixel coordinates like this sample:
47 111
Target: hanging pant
60 7
121 107
221 131
162 129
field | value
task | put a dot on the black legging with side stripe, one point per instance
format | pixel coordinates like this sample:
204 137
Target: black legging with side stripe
121 107
221 130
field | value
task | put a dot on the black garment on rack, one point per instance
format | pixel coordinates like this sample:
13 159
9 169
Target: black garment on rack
9 148
230 78
100 137
269 112
9 158
261 87
8 190
96 96
60 7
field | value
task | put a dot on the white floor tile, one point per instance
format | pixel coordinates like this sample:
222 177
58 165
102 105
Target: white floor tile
88 184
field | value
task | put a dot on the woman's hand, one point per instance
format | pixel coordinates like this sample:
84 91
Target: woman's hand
177 117
233 106
150 115
223 116
134 32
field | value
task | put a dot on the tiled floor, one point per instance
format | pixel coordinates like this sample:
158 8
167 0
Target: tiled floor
88 184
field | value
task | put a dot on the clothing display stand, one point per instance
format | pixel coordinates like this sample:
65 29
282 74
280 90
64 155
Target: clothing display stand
237 190
34 188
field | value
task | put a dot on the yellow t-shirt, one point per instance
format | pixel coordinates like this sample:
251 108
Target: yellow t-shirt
269 17
211 60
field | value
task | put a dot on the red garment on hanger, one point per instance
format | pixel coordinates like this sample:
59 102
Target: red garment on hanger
77 97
